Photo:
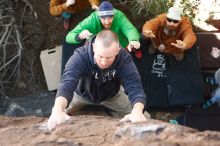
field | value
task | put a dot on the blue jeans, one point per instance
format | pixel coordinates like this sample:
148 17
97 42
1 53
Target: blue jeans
215 99
216 96
66 15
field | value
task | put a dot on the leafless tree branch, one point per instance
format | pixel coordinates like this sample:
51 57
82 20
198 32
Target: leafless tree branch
11 42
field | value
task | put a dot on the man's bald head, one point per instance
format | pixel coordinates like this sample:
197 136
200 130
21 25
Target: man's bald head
106 47
106 38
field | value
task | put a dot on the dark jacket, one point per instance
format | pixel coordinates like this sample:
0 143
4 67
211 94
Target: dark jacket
83 76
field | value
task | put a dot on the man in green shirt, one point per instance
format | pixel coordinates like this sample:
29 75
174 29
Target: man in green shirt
105 18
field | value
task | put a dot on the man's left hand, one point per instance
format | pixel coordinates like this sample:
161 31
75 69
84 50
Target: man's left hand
133 44
179 44
136 114
134 117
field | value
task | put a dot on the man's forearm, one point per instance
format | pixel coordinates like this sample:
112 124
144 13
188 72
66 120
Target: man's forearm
60 103
138 107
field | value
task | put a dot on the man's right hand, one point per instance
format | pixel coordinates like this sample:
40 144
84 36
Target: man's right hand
148 33
85 34
57 117
70 2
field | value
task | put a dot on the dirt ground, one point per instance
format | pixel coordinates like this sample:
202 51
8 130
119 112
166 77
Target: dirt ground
100 131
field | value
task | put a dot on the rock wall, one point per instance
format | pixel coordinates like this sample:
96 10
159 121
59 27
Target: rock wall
100 131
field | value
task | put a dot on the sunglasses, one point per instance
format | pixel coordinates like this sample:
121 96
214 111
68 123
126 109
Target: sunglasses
171 20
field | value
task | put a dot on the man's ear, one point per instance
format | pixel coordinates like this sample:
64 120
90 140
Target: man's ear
93 46
118 50
119 47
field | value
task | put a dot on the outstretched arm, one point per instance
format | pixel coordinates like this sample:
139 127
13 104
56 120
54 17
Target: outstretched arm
126 27
133 87
90 24
151 27
72 73
189 37
58 115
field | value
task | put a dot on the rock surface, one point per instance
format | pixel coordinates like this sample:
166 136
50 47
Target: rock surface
90 130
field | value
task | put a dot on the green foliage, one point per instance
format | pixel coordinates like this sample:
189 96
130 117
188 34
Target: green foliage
189 8
149 8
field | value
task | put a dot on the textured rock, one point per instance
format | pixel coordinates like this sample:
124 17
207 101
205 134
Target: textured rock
101 131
